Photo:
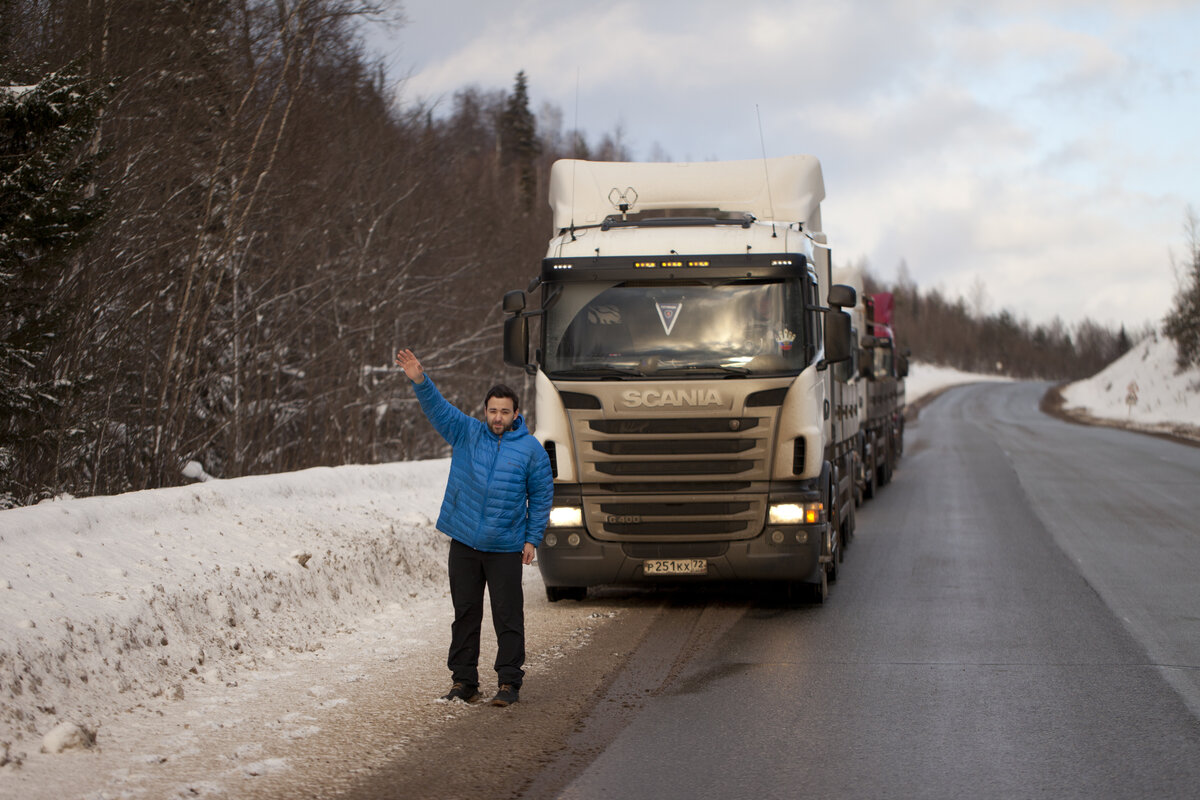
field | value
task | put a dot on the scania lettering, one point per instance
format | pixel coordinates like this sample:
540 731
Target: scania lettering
652 398
686 328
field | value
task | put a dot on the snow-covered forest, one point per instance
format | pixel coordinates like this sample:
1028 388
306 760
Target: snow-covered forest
234 228
218 223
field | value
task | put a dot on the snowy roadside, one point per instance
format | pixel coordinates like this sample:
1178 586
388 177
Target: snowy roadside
108 603
1141 390
927 380
218 640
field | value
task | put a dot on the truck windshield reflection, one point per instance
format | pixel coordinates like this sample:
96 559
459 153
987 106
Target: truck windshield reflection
675 330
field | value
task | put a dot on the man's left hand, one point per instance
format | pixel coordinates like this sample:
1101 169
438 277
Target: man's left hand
527 554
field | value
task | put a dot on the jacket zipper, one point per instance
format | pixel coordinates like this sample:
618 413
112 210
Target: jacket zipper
487 490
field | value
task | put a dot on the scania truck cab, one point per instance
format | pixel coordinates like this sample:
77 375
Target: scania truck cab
686 328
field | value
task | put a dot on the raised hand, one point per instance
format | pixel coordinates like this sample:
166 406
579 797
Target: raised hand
411 366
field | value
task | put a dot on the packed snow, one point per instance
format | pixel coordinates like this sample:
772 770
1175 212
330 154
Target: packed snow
928 379
186 601
1142 389
109 601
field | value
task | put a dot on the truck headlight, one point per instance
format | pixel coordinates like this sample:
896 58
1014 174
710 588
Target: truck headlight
566 517
796 513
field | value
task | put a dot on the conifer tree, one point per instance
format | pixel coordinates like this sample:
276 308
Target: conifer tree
519 145
47 209
1183 322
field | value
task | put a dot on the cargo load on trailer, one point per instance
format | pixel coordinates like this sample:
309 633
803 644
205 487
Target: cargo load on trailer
879 371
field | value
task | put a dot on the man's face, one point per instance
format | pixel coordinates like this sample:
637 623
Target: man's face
500 413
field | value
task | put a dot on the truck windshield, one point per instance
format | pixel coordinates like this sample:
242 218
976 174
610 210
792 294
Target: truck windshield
675 329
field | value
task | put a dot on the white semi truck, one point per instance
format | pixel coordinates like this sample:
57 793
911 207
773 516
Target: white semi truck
684 391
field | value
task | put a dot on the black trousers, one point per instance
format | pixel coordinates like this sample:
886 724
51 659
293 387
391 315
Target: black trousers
470 570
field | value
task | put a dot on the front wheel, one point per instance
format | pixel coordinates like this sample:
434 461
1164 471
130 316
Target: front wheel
805 592
556 593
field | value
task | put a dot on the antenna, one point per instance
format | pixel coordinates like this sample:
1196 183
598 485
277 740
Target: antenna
762 143
574 152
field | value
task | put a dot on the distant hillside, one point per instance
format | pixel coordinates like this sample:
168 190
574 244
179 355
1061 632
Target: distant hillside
1141 390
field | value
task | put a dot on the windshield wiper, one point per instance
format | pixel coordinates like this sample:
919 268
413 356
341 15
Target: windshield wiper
728 370
598 372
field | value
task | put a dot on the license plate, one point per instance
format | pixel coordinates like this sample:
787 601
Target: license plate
676 566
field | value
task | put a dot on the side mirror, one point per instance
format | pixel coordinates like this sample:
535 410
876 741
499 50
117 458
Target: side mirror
514 302
516 340
842 296
837 335
902 367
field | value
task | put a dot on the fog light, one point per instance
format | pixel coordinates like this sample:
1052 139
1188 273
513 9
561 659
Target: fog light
550 540
573 540
802 537
777 537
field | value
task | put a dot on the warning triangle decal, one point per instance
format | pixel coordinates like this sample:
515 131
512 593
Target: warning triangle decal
668 313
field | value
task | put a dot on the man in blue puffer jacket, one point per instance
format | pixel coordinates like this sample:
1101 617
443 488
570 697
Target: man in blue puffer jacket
495 510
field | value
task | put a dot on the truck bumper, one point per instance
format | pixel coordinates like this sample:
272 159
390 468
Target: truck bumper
779 553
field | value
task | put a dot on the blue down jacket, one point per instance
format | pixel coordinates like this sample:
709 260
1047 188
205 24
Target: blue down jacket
500 488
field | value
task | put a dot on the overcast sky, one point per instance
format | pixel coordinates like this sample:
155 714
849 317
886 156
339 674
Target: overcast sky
1046 148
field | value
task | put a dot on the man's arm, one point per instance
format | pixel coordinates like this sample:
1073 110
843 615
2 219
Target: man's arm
447 420
539 483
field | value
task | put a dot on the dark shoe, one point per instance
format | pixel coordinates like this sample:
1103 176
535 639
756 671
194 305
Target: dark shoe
462 691
506 696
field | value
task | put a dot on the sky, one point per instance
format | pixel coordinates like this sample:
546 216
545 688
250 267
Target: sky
1032 156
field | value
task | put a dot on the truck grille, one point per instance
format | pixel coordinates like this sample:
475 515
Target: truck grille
674 467
634 427
674 447
679 447
674 474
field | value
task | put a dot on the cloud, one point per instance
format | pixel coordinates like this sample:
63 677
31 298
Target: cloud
1043 145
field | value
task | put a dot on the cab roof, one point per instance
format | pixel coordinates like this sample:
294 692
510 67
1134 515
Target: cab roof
787 189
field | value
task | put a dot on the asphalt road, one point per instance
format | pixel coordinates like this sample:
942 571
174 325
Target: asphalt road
1019 616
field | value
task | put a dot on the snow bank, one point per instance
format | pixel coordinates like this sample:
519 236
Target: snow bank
1141 388
107 601
925 379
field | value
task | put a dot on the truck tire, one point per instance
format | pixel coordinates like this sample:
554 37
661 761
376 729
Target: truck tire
833 503
869 473
556 593
806 592
851 524
819 591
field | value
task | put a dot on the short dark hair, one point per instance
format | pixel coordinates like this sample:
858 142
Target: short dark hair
502 390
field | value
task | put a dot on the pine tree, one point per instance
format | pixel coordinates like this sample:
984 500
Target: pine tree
519 144
47 208
1183 322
